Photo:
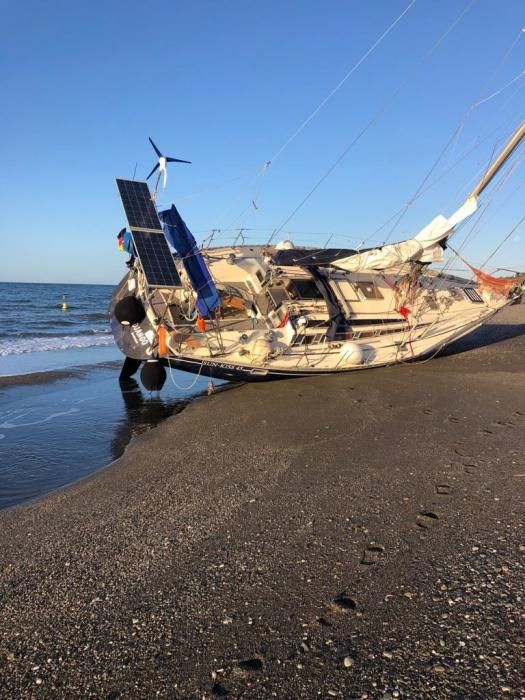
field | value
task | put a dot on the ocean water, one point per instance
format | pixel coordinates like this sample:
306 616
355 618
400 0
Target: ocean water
60 427
37 335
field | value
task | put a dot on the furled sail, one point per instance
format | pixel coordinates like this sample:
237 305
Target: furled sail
426 247
180 237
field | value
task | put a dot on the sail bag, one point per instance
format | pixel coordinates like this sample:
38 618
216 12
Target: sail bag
180 237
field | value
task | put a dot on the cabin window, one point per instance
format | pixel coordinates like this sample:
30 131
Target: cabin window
303 289
473 295
277 295
369 290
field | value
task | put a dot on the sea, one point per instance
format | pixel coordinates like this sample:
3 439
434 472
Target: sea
63 413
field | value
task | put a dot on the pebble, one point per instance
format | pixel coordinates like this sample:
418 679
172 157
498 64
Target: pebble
348 661
388 655
438 668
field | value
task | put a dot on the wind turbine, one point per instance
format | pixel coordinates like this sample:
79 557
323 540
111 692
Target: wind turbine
161 166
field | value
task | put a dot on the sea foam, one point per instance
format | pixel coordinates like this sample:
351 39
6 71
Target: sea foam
19 346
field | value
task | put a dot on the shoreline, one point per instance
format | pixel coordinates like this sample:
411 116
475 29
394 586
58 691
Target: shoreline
327 537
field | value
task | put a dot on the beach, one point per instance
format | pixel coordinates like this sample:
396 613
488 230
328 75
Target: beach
355 536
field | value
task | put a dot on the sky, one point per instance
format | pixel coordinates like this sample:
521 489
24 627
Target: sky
224 84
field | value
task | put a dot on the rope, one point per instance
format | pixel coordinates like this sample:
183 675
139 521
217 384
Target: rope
340 84
503 241
379 112
183 388
497 188
476 143
498 92
456 132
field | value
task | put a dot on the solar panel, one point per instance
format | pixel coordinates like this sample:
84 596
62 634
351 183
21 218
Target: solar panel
138 205
156 259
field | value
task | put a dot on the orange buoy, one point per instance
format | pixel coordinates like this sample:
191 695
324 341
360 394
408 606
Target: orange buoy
201 324
161 336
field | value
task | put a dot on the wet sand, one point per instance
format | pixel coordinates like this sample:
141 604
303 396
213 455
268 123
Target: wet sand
354 536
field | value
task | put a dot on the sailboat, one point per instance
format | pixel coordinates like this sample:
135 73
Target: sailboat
276 311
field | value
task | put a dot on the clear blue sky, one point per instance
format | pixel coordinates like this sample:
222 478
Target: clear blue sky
224 83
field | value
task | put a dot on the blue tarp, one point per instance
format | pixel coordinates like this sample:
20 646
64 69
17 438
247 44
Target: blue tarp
180 237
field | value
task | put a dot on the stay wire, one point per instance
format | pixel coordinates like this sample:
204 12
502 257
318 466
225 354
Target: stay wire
340 84
456 132
516 227
379 112
304 124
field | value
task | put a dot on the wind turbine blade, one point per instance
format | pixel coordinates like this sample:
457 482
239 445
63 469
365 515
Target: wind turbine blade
151 173
177 160
155 147
165 178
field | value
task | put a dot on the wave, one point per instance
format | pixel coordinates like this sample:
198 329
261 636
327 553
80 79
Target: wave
54 333
20 346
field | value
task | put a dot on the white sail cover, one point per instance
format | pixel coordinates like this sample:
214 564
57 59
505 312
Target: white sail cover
424 247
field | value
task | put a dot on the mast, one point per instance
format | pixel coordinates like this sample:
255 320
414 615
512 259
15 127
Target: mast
505 154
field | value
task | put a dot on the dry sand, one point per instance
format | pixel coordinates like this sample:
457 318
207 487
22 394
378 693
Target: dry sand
354 536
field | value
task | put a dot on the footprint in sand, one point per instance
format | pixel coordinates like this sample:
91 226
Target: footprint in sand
461 451
372 554
427 411
485 432
343 603
453 419
471 468
443 489
426 519
247 666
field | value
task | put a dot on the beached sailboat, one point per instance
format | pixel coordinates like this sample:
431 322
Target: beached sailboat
262 312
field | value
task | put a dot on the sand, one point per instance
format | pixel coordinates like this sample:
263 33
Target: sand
356 536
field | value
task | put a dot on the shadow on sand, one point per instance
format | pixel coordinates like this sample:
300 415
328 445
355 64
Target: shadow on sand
486 335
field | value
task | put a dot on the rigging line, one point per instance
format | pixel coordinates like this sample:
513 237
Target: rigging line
482 213
220 184
505 202
498 92
255 177
496 190
363 58
456 132
380 111
320 106
514 229
474 145
466 152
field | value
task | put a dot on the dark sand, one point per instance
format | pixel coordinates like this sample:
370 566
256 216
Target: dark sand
353 536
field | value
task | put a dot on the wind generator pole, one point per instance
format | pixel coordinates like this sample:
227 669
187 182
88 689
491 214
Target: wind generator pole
154 193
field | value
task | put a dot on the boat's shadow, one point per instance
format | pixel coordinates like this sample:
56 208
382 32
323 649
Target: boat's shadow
486 335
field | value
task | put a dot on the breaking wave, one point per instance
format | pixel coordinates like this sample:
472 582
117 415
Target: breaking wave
20 346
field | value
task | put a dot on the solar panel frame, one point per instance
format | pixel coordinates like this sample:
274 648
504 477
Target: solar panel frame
156 258
138 205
